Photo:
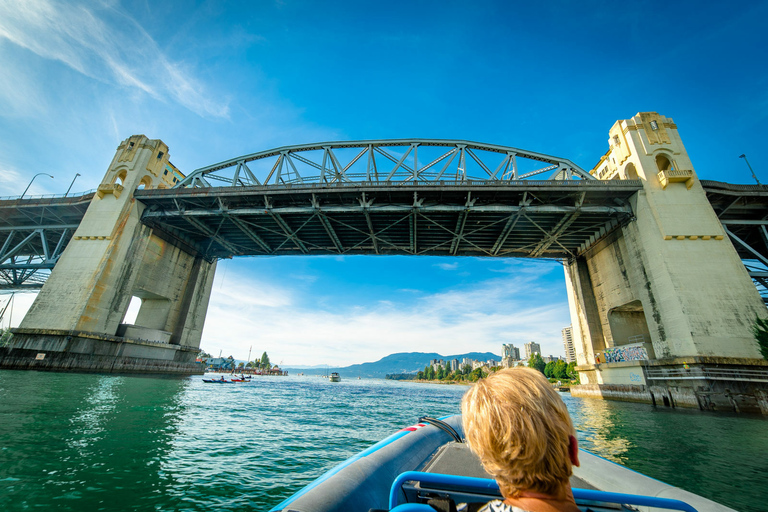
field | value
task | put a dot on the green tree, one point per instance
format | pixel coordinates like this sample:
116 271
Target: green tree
420 375
537 362
571 370
240 365
466 369
440 373
477 374
264 363
549 369
760 330
560 370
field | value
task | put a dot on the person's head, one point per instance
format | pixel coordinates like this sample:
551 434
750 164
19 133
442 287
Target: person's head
519 426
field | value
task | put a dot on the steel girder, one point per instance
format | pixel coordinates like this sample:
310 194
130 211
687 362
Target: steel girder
743 212
545 219
388 161
33 235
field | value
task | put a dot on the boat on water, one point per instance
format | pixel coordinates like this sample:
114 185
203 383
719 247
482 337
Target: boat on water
429 460
218 381
334 377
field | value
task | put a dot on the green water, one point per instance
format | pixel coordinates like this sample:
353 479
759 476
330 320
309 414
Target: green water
92 442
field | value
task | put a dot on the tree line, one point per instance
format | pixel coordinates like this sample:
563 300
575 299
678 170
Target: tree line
557 370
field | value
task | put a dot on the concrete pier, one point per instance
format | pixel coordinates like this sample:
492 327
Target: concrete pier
663 308
77 321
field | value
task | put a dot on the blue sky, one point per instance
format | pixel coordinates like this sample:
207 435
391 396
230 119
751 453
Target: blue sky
218 79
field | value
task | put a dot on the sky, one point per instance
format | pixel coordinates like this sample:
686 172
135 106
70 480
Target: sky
215 80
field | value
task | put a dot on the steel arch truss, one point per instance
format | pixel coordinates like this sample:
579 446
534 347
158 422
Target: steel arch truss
543 219
384 161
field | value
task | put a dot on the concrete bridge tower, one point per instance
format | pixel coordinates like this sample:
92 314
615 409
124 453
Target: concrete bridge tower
76 322
665 300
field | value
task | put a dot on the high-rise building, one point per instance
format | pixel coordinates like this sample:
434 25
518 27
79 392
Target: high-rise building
570 351
532 348
510 351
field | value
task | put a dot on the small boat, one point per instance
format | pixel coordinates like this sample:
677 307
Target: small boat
217 381
334 377
430 459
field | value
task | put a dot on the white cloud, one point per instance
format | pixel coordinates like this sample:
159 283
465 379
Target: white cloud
448 266
106 44
480 318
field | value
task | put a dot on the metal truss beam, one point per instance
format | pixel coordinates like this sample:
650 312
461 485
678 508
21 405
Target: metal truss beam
289 233
394 209
250 233
322 163
212 235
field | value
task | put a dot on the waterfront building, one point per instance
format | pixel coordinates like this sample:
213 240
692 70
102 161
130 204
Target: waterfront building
532 348
570 351
454 365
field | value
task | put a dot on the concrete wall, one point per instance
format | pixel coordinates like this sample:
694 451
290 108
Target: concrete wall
86 352
113 257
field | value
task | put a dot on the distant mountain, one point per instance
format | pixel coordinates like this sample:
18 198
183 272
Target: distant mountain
402 362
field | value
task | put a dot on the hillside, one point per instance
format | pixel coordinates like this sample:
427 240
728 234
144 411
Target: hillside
402 362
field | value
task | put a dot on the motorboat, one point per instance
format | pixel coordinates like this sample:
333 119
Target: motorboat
335 377
429 461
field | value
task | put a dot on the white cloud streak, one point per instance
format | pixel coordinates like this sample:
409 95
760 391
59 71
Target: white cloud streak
105 44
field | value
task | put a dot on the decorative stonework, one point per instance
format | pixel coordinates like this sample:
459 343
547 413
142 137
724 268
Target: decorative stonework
693 237
676 176
105 189
655 128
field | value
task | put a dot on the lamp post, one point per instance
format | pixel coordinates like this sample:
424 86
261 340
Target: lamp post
30 182
70 185
750 168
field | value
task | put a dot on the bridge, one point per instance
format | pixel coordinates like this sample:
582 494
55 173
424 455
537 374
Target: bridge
638 233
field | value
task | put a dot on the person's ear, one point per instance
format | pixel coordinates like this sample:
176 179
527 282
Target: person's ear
573 450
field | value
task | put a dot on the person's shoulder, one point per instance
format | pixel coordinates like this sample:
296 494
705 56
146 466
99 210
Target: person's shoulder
499 506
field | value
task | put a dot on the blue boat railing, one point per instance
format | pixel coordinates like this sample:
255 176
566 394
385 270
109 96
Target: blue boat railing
487 485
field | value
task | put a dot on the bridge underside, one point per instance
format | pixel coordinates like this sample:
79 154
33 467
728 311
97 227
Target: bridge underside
743 212
33 234
554 219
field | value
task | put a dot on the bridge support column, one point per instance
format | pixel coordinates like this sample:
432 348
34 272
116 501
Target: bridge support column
666 293
77 320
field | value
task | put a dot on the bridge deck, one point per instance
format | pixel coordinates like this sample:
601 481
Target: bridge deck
550 219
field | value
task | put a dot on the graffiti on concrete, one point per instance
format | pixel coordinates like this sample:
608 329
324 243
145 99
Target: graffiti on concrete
625 353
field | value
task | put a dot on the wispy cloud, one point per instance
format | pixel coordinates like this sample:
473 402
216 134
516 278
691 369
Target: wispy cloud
448 266
103 42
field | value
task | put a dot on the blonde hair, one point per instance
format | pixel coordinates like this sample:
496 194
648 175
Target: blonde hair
519 426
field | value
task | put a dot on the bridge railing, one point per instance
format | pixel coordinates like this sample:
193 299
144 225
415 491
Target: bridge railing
71 195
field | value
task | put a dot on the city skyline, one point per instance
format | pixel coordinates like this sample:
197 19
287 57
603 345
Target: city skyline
215 81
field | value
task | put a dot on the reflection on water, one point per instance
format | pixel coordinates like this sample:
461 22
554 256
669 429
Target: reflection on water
94 442
597 429
723 457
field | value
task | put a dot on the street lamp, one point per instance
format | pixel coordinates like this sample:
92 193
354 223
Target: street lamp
750 168
33 179
70 185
